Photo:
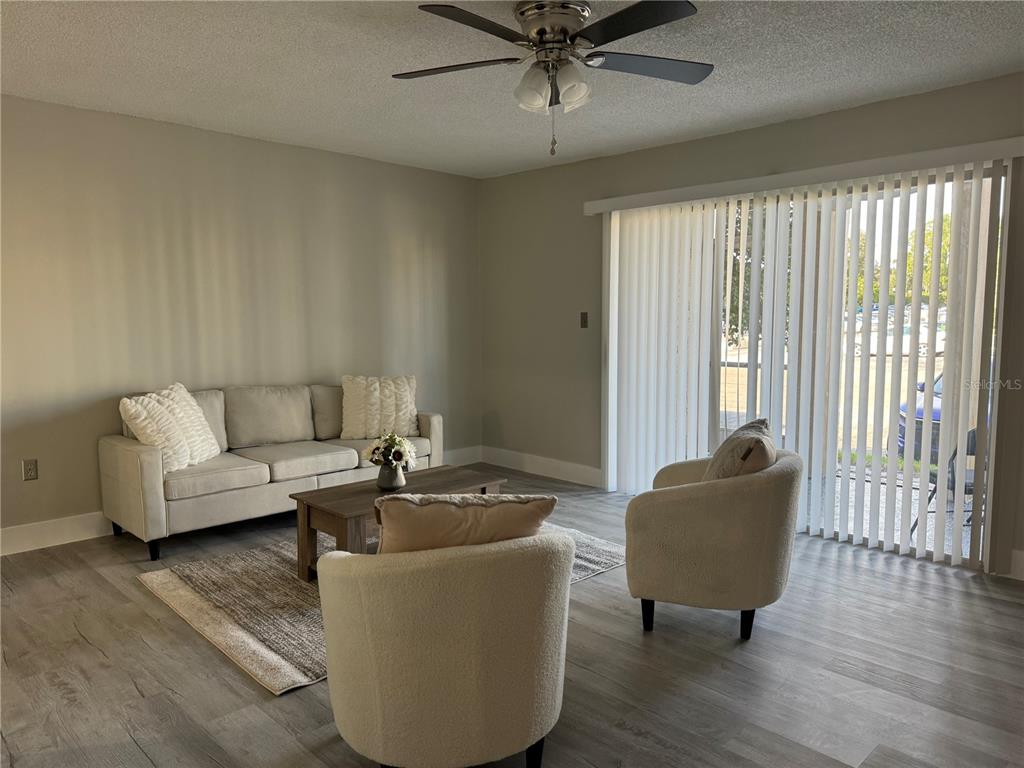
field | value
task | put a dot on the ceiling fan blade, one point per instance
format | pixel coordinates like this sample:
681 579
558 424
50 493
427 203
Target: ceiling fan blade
452 68
452 13
677 70
635 18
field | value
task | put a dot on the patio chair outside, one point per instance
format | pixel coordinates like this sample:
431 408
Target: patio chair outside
933 477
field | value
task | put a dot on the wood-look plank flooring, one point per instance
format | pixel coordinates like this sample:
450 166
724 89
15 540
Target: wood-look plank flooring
869 660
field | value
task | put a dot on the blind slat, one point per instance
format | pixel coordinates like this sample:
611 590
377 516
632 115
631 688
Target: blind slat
950 402
899 328
754 334
816 464
743 255
853 272
968 364
910 417
865 306
928 399
776 373
806 445
882 338
838 263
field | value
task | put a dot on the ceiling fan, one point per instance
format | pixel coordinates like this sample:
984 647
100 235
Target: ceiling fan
555 33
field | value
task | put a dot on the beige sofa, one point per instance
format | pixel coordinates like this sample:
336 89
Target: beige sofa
449 657
713 544
274 440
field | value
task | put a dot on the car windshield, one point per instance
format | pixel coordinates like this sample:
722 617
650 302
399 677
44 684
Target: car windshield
938 385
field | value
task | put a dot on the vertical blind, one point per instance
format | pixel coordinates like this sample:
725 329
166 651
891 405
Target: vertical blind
858 317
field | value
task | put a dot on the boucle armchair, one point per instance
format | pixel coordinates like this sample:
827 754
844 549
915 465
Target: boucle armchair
449 657
713 544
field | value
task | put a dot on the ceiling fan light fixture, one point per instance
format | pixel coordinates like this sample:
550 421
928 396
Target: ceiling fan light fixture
554 32
573 90
534 90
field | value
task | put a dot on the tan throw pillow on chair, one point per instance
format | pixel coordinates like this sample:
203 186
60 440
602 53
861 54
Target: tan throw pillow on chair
747 450
413 522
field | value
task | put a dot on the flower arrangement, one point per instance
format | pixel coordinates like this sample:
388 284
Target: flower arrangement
390 450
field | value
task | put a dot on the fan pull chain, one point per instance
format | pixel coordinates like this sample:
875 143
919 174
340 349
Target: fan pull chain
553 140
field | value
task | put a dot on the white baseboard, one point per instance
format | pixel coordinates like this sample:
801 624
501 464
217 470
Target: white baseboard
542 465
51 533
458 456
526 462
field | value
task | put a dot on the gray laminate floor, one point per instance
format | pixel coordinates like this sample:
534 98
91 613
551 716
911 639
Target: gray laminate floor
868 660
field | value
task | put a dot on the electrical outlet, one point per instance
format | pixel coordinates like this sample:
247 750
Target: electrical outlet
29 469
584 319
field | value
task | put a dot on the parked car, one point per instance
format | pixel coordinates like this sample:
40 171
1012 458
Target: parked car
890 333
919 419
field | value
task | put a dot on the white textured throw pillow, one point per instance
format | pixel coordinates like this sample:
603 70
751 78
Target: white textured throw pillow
373 406
747 450
171 420
202 443
152 423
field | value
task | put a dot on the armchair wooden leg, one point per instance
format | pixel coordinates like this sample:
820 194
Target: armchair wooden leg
154 549
117 529
746 624
647 609
534 754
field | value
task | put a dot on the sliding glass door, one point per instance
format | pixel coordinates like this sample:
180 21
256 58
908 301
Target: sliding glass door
859 317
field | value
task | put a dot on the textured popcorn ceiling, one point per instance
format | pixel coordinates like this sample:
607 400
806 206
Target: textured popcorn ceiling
318 74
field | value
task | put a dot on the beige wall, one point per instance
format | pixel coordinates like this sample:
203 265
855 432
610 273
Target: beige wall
137 253
542 258
1008 493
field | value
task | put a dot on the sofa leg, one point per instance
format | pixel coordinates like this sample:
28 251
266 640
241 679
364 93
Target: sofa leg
535 754
118 530
647 609
746 624
154 549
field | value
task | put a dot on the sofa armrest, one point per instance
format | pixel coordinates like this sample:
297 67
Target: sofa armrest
681 473
132 484
432 427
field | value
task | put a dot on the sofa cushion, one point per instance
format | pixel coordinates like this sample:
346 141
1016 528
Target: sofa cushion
301 459
413 522
264 415
421 444
224 472
326 411
211 402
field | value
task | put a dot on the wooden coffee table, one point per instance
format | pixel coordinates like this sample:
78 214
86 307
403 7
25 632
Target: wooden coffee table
346 511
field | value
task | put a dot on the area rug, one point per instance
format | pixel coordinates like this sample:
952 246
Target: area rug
253 608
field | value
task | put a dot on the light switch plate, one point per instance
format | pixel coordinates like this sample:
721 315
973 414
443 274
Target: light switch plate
29 469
